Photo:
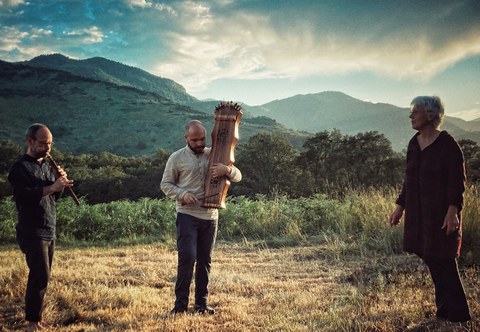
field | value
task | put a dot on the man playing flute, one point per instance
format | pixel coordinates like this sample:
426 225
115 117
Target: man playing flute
35 190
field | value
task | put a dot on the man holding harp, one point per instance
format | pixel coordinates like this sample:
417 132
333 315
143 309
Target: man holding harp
184 181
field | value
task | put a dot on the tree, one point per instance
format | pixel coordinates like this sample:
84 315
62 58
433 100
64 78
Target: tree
318 159
471 153
335 162
9 151
267 165
372 161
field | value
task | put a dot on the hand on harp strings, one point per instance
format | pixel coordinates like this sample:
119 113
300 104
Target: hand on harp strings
213 195
57 175
198 202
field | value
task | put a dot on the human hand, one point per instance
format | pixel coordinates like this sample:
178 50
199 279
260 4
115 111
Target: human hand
396 215
61 172
219 170
189 199
60 183
451 222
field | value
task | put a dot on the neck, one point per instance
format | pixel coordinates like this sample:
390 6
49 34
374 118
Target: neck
428 132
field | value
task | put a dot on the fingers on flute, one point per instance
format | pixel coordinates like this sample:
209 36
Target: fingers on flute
61 171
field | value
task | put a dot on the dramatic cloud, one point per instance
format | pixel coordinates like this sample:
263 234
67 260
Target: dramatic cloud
199 43
251 45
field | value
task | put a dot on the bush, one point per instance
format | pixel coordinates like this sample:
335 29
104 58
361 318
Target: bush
119 220
8 220
359 219
470 254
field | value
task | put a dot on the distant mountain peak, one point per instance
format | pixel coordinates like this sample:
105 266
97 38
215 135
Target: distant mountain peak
111 71
48 59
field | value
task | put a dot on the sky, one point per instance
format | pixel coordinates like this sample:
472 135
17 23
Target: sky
257 51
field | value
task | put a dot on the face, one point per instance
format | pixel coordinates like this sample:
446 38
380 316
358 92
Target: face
420 118
41 144
195 138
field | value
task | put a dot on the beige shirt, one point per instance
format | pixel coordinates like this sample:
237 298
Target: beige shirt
185 172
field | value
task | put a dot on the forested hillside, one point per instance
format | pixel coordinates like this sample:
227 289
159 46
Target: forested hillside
97 105
91 116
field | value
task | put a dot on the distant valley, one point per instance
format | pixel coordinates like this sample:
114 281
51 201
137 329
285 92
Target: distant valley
98 105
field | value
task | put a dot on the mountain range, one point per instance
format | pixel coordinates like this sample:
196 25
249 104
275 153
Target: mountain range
97 104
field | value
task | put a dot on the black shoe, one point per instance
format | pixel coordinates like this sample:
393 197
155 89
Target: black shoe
203 309
176 311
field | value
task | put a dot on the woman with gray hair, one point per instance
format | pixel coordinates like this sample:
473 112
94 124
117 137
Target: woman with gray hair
432 198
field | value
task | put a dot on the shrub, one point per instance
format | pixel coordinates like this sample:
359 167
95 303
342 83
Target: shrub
359 219
8 220
471 226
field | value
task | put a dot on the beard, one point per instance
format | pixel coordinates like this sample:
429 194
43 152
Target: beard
40 154
198 149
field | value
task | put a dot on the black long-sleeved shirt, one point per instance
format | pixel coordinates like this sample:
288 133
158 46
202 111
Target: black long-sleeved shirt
36 213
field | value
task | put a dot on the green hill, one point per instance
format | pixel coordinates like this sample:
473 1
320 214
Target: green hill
88 115
327 110
97 104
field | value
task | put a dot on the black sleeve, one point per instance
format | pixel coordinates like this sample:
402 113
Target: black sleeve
25 188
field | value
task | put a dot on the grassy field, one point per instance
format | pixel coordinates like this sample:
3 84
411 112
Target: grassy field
327 286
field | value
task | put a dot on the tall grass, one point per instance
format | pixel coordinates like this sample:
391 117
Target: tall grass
345 276
119 220
471 226
356 221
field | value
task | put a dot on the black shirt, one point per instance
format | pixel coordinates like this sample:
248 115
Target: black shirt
36 213
434 180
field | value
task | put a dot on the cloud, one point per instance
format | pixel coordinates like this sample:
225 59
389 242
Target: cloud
11 38
468 115
138 3
252 45
17 45
14 43
38 33
145 4
196 43
87 35
10 3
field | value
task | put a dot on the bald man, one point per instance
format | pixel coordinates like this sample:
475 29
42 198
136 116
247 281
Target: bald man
35 190
183 180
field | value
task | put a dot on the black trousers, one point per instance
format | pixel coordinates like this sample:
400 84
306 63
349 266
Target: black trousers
450 296
39 257
195 241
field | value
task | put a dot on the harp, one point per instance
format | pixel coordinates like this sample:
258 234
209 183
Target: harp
224 138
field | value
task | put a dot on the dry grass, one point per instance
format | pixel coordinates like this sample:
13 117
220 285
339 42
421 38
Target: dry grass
327 287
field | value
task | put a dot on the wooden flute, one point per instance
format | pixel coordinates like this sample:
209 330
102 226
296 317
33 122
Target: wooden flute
70 190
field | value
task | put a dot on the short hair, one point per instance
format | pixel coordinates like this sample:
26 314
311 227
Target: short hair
193 123
33 129
431 104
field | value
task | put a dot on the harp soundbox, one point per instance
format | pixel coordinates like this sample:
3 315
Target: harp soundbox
224 138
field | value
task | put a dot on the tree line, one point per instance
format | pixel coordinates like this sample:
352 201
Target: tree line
329 163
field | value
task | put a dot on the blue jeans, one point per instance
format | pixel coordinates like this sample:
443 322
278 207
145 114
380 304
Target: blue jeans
195 241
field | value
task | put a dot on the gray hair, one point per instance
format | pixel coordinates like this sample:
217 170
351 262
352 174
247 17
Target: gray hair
431 104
